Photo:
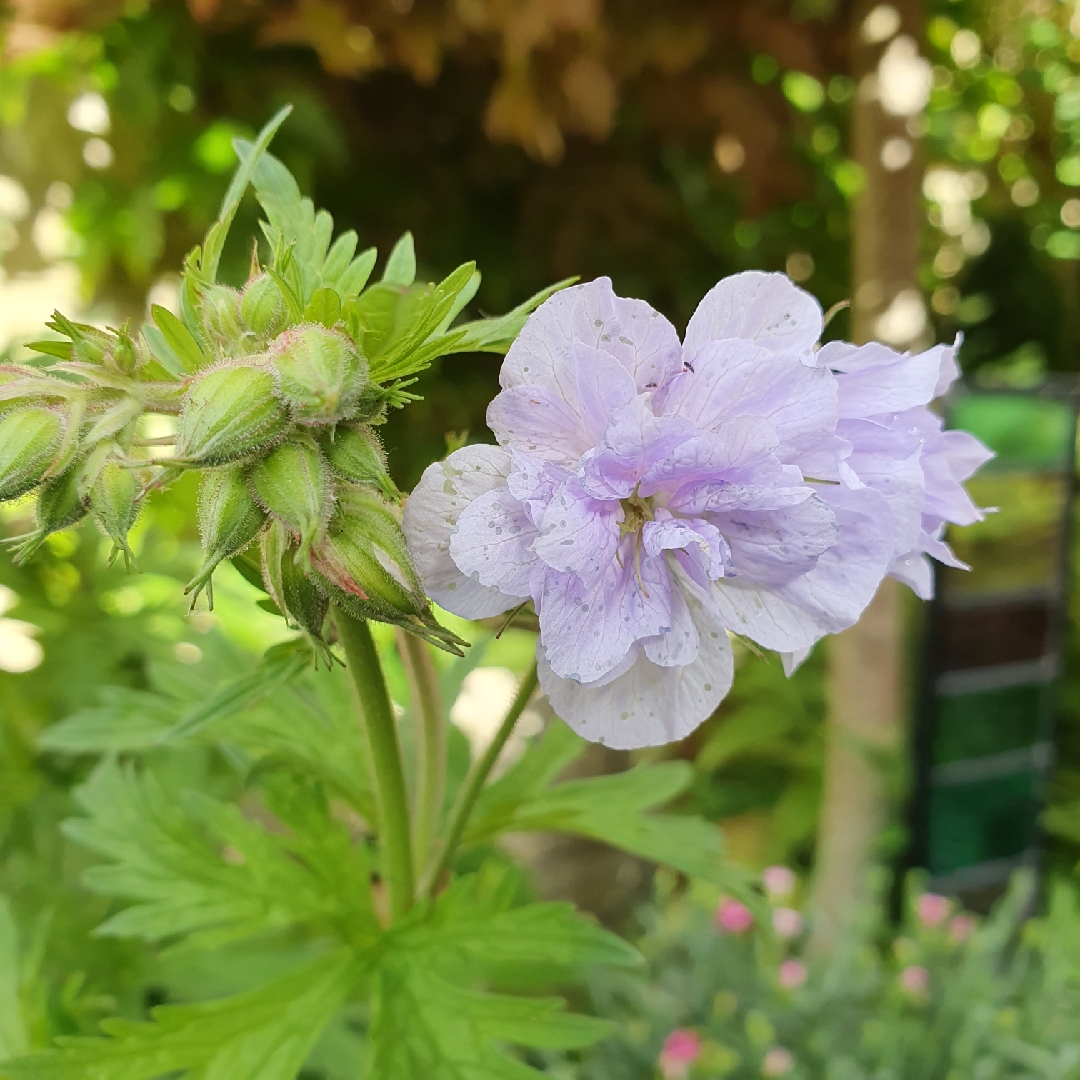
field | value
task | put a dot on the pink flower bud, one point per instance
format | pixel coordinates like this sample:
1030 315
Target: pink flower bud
777 1062
962 927
932 910
792 974
732 917
787 923
681 1049
915 980
779 881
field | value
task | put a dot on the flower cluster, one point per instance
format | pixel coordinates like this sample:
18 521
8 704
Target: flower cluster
652 497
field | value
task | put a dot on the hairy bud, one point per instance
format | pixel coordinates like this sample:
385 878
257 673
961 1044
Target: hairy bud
291 589
229 519
364 566
319 373
219 312
293 484
355 452
228 414
262 307
29 441
60 505
112 502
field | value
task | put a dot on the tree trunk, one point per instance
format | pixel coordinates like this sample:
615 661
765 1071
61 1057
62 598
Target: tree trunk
863 686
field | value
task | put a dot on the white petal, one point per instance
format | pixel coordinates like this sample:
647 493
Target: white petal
768 309
431 515
493 543
648 705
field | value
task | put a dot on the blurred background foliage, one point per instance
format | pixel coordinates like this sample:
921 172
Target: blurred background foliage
665 143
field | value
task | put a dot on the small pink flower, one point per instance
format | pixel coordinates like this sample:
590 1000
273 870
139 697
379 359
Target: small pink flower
732 917
681 1049
962 927
777 1062
787 923
779 881
792 974
915 980
932 909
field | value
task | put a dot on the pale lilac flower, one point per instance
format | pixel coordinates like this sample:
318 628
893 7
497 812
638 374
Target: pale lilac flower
779 881
777 1062
915 980
932 909
792 974
732 917
681 1049
962 927
787 923
651 497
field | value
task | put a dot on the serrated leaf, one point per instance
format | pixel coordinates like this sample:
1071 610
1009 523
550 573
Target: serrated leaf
324 307
197 866
179 339
162 351
62 350
338 258
126 720
401 265
264 1034
13 1035
356 276
215 238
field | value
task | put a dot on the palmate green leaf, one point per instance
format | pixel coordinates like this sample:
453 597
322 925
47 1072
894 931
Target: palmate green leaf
178 338
611 809
13 1036
196 866
264 1034
401 265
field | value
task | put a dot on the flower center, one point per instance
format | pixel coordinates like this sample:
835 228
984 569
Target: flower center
636 511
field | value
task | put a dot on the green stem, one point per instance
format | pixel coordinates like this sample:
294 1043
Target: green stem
474 783
431 741
384 756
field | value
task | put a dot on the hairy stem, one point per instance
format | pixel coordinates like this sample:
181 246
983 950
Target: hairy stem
384 756
473 785
427 702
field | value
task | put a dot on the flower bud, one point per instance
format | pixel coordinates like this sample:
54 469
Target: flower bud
112 502
229 519
319 373
60 504
29 441
363 565
262 307
295 594
355 453
229 413
219 312
293 484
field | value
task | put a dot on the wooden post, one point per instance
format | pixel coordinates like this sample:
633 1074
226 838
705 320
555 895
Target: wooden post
863 683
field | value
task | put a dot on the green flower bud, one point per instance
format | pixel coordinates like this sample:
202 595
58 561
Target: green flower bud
229 519
219 313
60 504
319 373
355 452
262 307
363 565
294 593
293 484
112 502
29 441
229 413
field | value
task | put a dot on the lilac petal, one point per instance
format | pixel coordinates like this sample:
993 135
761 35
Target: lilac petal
643 342
738 378
946 497
949 371
669 533
874 379
493 543
768 309
770 547
679 644
792 661
431 515
533 481
914 571
588 629
648 704
579 534
964 453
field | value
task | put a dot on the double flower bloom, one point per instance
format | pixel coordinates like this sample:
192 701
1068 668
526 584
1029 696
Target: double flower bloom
650 496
